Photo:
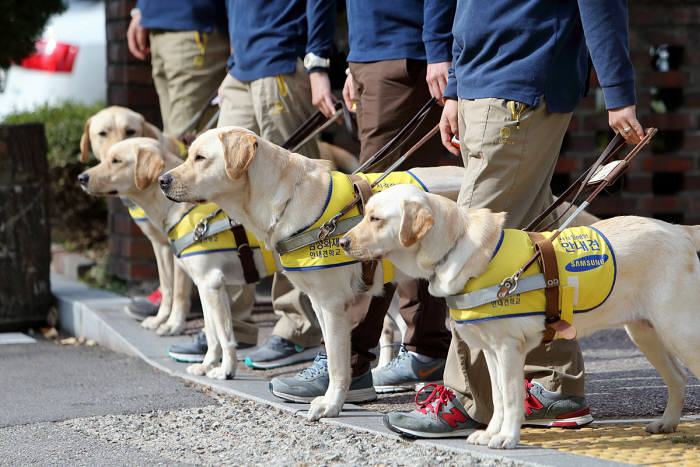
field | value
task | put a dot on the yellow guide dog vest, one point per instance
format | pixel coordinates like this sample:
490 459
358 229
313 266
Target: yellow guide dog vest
327 253
137 214
218 242
586 265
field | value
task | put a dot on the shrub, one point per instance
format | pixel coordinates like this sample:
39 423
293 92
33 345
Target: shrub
77 220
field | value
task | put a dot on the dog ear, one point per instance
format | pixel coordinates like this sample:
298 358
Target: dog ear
150 130
416 220
85 142
239 151
149 165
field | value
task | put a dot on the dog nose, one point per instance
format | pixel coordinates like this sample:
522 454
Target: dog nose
165 181
83 178
344 243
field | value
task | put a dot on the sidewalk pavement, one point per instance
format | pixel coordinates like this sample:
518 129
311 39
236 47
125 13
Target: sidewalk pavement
98 315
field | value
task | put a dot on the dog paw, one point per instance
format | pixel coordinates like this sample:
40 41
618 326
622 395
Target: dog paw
320 409
152 322
197 369
501 441
479 438
220 373
660 427
170 329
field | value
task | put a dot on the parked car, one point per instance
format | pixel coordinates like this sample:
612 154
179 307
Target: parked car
69 63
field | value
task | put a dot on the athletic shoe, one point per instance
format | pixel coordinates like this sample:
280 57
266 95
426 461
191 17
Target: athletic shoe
194 351
277 352
141 308
552 409
313 382
405 372
441 415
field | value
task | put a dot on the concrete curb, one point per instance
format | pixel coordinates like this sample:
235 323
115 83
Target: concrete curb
98 315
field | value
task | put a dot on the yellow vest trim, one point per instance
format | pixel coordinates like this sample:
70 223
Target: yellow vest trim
222 241
327 253
587 270
137 214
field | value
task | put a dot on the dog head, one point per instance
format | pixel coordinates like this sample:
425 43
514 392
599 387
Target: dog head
217 160
111 125
127 167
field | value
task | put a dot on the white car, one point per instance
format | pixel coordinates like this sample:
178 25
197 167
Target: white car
69 63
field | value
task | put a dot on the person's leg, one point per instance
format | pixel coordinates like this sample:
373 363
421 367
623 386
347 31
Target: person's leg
159 48
194 64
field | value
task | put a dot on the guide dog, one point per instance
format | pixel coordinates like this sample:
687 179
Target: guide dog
655 294
276 193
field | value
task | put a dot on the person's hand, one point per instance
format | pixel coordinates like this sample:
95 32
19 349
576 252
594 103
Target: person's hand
623 120
436 77
219 93
137 38
349 93
321 96
449 126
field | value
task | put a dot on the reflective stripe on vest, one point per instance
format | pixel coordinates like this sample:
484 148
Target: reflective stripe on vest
222 241
586 264
327 253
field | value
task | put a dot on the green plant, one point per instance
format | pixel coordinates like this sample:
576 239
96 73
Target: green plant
21 23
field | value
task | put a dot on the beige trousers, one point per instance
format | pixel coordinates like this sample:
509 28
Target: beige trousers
187 67
510 150
274 107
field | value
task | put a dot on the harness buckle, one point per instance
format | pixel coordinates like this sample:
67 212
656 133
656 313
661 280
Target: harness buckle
327 228
508 286
200 230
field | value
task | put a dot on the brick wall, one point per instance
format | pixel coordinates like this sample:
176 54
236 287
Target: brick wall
664 181
129 84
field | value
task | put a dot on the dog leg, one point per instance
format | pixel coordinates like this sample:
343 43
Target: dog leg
213 354
164 262
182 291
216 296
483 437
511 362
670 370
336 333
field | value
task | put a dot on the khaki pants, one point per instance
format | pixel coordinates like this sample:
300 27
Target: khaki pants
509 151
187 66
274 107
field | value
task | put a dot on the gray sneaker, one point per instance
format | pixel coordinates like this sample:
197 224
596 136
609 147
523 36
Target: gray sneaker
552 409
441 415
405 372
194 351
277 352
313 382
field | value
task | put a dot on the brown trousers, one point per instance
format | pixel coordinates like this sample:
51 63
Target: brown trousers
510 151
388 94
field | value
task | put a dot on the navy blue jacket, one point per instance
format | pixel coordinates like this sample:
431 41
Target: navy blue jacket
183 15
521 50
269 35
390 30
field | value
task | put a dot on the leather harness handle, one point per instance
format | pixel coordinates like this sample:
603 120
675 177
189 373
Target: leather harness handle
245 253
548 263
362 189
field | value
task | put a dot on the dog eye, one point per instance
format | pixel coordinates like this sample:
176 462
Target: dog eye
130 132
116 161
374 219
199 157
102 133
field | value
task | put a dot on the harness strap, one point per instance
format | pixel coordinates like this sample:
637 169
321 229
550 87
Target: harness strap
310 237
187 240
362 189
490 294
368 270
245 253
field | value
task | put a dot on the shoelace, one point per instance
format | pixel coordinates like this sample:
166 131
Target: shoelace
441 395
403 353
531 402
320 365
155 297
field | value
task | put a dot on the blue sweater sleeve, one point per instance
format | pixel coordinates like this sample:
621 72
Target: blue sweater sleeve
438 16
451 88
320 15
607 36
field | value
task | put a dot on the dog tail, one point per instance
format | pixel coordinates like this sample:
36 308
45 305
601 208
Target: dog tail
694 232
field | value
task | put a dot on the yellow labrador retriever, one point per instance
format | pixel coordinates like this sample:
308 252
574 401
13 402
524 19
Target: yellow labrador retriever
276 193
130 168
104 129
652 288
